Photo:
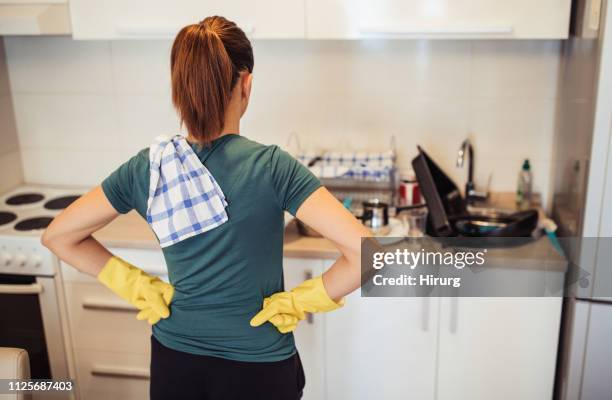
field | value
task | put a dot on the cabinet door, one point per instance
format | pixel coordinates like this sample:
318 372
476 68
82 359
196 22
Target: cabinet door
497 348
381 348
438 19
133 19
309 333
596 383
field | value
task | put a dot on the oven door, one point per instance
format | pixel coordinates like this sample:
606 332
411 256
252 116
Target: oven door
30 319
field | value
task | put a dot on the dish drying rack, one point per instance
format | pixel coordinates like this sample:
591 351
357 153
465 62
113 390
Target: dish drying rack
357 184
360 191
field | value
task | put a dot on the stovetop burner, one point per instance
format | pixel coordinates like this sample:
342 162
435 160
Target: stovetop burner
31 224
6 217
61 202
24 198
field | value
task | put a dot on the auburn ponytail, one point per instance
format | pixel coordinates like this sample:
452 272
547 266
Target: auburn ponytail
205 63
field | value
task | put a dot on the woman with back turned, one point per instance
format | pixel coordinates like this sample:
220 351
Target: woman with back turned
215 200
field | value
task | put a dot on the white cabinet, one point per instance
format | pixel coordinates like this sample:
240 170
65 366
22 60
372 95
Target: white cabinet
512 19
116 19
381 348
442 348
309 336
34 17
327 19
497 348
596 383
105 366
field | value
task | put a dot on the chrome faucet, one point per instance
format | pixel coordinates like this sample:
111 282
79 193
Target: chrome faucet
470 193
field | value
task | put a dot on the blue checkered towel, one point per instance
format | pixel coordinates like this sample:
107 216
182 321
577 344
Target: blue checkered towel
184 198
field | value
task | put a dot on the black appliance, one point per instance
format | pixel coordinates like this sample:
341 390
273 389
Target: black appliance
448 211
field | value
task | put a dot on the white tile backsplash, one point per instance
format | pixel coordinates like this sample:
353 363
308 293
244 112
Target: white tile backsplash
56 166
10 171
102 101
512 127
142 117
8 131
67 121
141 67
419 68
515 68
58 65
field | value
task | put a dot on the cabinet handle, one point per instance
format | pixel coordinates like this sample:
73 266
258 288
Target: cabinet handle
32 288
454 315
103 305
146 31
374 30
309 316
120 372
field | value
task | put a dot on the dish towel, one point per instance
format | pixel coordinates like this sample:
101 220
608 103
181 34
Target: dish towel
184 198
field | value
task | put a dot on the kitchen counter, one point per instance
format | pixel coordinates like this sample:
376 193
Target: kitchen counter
300 246
128 230
131 231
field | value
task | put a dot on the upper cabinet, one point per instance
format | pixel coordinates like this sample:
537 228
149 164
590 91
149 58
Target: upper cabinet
34 17
327 19
146 19
443 19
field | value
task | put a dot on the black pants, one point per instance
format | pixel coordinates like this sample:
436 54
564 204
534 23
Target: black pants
185 376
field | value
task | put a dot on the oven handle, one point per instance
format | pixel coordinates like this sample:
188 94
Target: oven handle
32 288
102 305
120 372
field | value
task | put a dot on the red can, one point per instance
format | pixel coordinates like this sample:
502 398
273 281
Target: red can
409 191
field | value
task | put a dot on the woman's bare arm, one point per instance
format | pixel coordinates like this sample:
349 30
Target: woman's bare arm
323 212
69 235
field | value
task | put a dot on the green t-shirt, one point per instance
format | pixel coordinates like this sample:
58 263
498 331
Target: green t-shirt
221 276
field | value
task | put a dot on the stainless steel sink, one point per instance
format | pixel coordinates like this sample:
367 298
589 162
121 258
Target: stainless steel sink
489 211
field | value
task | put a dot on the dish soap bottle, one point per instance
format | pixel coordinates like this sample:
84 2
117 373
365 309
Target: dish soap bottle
523 190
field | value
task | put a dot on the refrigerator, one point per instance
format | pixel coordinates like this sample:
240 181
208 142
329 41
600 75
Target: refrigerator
582 202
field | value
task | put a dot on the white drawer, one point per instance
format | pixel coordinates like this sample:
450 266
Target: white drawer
99 320
71 274
151 261
107 375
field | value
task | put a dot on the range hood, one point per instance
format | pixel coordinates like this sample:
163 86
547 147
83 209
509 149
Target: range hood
34 17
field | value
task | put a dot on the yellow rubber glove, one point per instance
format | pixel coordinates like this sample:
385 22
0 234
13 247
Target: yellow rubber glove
285 309
149 294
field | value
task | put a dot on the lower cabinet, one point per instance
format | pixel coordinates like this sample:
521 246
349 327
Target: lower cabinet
382 348
372 348
107 375
441 348
310 334
498 348
111 348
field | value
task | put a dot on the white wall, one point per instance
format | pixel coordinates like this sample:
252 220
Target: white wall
84 107
11 173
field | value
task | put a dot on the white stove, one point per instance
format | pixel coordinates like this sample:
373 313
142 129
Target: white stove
32 302
25 212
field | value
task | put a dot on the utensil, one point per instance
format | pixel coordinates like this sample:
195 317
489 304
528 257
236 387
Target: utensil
415 221
376 216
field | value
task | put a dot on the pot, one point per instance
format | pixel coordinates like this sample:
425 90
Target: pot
376 216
